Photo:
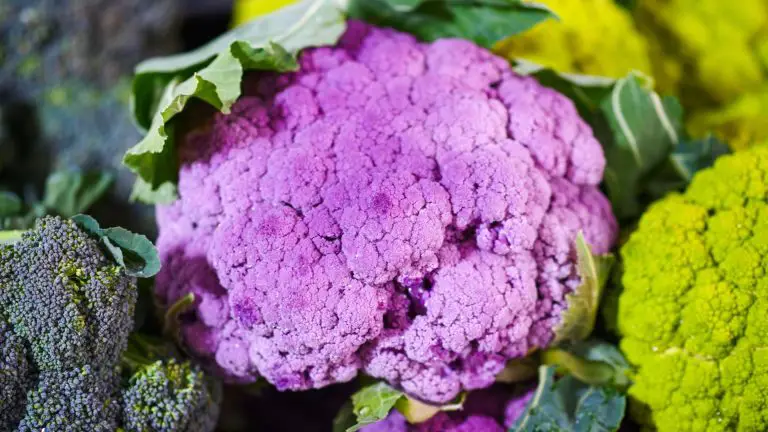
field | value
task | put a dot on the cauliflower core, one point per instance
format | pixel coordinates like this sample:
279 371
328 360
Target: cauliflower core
404 209
695 301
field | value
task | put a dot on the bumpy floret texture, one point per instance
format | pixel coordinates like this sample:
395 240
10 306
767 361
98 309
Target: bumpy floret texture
708 52
495 409
592 37
401 208
693 309
15 377
169 397
60 293
71 309
80 399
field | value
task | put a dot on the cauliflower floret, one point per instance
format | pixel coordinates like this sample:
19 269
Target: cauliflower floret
692 311
592 37
413 219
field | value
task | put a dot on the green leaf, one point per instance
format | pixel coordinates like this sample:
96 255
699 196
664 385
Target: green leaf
640 136
373 403
68 193
592 362
10 204
484 22
570 405
345 418
689 157
134 252
578 320
213 73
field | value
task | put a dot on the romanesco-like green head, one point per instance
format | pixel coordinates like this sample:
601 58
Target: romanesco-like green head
693 314
740 123
708 52
170 396
592 37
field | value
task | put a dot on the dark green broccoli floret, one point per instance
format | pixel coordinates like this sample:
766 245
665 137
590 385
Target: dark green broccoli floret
61 294
66 313
169 396
82 399
15 376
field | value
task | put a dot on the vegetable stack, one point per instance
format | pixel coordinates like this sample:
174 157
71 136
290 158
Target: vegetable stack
416 204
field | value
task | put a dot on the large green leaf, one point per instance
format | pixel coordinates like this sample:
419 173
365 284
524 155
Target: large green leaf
213 73
484 22
642 136
578 320
570 405
134 252
10 204
68 193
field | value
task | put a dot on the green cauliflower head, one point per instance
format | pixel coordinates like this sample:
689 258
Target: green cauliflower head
693 313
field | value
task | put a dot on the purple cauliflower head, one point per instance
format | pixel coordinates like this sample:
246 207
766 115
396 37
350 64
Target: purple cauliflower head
400 208
494 409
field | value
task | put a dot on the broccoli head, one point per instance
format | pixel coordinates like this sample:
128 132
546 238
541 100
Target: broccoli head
592 37
66 312
406 209
72 304
169 396
692 313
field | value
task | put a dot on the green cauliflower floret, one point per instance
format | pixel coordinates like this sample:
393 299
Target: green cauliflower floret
693 313
170 397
